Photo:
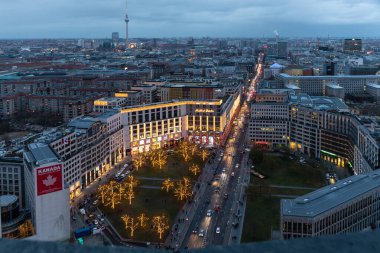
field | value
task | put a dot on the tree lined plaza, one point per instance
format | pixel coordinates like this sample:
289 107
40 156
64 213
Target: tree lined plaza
146 214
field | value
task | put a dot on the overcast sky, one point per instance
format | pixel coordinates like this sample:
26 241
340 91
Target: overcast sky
182 18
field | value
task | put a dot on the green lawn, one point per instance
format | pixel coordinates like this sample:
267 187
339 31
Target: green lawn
283 171
262 214
149 201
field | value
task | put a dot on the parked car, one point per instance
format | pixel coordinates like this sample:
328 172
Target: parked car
201 233
217 230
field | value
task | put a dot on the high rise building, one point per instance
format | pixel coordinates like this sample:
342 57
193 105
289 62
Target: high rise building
47 196
352 45
126 26
282 49
329 68
115 37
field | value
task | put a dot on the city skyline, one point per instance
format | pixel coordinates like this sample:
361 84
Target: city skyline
98 19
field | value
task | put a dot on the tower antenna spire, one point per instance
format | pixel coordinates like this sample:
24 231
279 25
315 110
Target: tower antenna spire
126 23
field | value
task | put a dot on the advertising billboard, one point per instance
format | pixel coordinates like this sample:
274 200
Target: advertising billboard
49 179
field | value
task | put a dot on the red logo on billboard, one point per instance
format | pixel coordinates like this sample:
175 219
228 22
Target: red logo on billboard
49 179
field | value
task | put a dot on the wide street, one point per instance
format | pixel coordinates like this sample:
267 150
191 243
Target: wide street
218 217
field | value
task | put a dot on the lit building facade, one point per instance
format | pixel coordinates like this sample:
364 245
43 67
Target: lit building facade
320 127
269 123
164 124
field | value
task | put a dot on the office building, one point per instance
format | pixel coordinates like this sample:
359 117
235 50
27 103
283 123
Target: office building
350 205
352 45
47 196
282 47
115 37
316 85
269 123
166 123
193 90
320 127
329 68
12 178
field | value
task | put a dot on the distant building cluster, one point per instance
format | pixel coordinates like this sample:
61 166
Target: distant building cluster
110 99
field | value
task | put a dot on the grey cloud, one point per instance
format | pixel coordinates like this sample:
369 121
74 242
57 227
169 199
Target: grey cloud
169 18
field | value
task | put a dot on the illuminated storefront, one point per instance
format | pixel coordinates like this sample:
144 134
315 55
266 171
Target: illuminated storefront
165 124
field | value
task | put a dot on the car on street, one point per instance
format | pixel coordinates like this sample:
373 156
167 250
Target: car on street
95 202
209 213
226 195
217 230
201 233
232 174
237 165
224 170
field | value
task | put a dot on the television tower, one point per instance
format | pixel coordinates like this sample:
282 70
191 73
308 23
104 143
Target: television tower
126 25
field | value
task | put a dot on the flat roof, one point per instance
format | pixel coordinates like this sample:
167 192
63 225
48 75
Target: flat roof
374 85
41 153
286 76
334 86
331 196
6 200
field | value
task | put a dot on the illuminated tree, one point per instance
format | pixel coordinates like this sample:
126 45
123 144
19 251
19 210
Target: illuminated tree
120 191
112 197
130 223
195 169
103 191
131 182
26 229
183 189
112 200
184 149
193 148
142 218
186 182
160 225
161 158
204 154
112 186
167 184
138 160
130 194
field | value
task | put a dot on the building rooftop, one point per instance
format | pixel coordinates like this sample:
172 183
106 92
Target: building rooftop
81 123
374 85
6 200
320 103
334 86
40 153
286 76
331 196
